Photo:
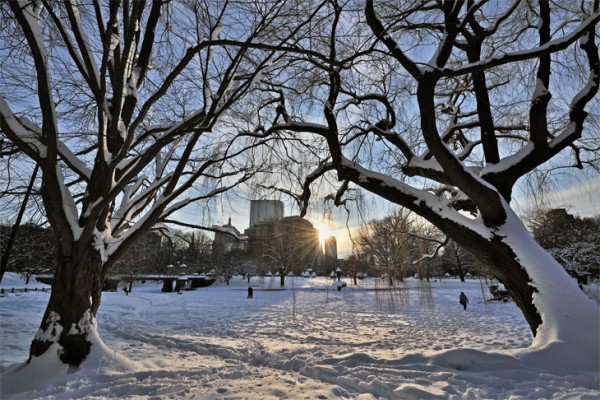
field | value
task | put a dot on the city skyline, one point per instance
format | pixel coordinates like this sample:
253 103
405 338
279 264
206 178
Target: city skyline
579 199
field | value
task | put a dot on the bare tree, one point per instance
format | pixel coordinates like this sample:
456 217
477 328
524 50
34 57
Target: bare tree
442 107
387 242
457 259
198 250
142 257
280 252
246 266
355 265
428 243
128 109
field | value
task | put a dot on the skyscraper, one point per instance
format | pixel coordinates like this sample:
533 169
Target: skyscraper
330 253
265 210
330 247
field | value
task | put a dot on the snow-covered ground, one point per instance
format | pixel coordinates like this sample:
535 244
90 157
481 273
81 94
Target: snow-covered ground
306 342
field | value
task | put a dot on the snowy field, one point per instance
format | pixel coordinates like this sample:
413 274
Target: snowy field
306 342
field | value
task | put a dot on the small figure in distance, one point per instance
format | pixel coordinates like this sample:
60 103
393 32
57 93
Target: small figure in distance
463 300
126 290
250 292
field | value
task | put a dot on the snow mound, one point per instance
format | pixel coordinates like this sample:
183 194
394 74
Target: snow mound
559 357
47 371
474 360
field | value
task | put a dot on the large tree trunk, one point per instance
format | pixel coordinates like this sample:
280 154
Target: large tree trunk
508 270
70 318
551 302
567 314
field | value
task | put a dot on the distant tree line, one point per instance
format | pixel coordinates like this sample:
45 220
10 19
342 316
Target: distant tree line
573 241
396 246
33 252
400 245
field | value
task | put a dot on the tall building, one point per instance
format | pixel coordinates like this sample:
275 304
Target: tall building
292 238
330 253
330 247
272 240
265 210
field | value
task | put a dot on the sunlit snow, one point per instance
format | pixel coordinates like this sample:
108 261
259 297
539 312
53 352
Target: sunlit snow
309 341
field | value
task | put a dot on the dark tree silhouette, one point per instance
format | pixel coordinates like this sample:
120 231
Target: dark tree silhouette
442 107
129 116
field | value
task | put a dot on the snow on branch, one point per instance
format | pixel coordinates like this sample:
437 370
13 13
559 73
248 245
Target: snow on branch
85 61
124 213
437 249
77 165
22 130
135 199
214 228
552 46
421 201
70 210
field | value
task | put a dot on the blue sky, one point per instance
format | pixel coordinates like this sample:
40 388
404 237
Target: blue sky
581 198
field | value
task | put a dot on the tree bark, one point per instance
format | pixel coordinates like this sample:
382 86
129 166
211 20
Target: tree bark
69 319
508 270
461 273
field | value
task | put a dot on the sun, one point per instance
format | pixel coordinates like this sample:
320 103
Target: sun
324 233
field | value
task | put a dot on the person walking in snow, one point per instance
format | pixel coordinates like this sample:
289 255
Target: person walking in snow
250 292
126 290
463 300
